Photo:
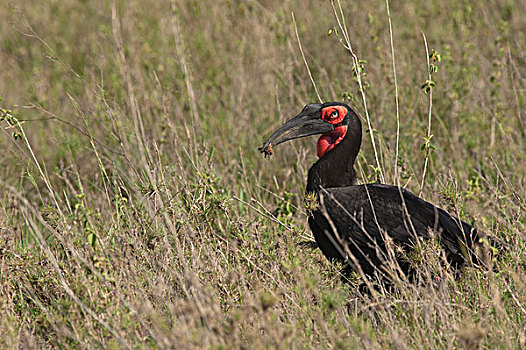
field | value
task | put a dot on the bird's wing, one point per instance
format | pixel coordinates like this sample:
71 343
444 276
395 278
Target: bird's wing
362 214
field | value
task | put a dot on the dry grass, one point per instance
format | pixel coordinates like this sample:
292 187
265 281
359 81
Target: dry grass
147 218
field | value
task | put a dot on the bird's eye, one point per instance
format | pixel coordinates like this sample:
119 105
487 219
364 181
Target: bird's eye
334 114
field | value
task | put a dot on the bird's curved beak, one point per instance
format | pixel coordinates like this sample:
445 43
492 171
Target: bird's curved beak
307 123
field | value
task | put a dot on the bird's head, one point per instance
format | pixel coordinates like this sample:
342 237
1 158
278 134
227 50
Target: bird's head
331 119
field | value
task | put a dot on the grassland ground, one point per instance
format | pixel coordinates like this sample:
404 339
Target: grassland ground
136 211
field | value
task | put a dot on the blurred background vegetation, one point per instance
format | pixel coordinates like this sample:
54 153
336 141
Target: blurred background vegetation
136 211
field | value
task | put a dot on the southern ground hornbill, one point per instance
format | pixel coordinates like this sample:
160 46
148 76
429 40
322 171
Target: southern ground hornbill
356 223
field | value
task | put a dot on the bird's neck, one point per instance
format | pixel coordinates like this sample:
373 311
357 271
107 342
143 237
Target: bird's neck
335 168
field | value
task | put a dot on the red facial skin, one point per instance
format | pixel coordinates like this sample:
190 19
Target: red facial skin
333 115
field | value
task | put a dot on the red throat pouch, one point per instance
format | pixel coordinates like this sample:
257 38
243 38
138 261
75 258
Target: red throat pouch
328 141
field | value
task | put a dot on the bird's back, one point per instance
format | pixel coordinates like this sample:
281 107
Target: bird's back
363 214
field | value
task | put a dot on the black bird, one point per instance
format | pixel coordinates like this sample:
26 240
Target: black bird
354 223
